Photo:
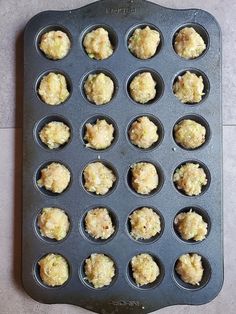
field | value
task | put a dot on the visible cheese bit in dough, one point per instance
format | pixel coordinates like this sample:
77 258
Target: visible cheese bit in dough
99 135
99 88
54 134
144 177
55 177
143 88
145 269
97 44
190 225
190 178
143 133
99 270
189 88
53 89
98 223
144 42
98 178
54 270
188 43
53 223
190 269
55 44
189 134
145 223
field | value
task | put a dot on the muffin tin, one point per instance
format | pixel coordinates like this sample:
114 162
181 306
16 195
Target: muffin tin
120 18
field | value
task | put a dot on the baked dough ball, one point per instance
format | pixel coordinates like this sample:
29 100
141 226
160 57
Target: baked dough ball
189 134
55 177
189 267
54 134
99 88
190 225
53 223
145 269
97 44
99 270
144 42
144 177
143 133
54 270
188 43
98 178
143 88
145 223
98 223
53 89
189 88
55 44
99 135
190 178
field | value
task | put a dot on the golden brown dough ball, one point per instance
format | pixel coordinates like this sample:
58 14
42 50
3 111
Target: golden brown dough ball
144 42
190 178
143 133
190 225
53 89
145 269
54 270
98 178
190 269
54 134
55 177
143 88
145 223
99 88
55 44
144 177
99 135
188 43
97 44
99 270
98 223
189 88
53 223
189 134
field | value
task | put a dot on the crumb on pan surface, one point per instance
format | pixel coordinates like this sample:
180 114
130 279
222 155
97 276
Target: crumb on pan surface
55 177
54 134
99 135
144 177
144 42
190 178
98 223
99 270
99 88
143 88
98 178
190 269
143 133
145 269
53 223
145 223
54 270
188 43
191 225
189 134
97 44
189 88
53 89
55 44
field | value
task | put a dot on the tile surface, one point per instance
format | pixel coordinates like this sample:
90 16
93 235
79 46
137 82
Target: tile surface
14 15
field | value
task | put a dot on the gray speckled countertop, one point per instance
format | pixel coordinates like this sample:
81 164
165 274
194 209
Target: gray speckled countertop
13 16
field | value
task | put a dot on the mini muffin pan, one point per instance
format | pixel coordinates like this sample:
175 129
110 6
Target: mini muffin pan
120 19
